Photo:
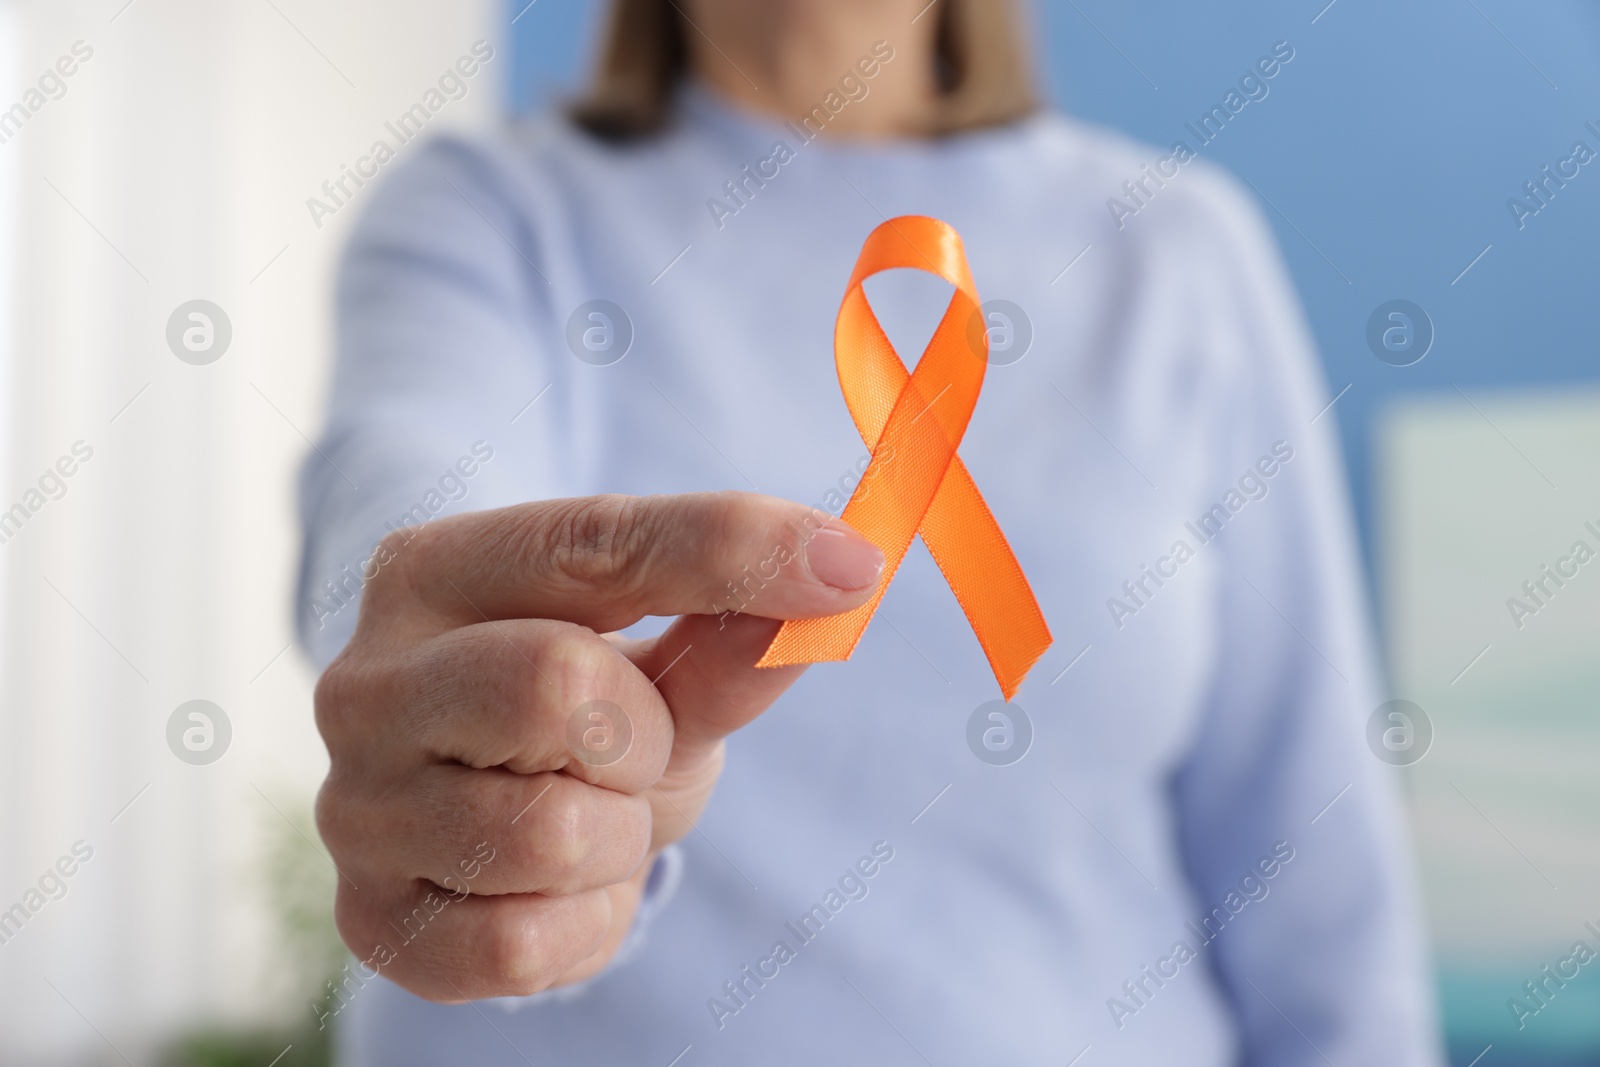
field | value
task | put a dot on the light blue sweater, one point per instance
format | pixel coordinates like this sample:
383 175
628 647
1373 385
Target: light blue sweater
1197 861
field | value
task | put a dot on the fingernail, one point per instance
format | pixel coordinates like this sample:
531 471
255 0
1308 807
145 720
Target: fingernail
844 559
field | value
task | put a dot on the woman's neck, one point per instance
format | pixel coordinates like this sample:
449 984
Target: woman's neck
782 58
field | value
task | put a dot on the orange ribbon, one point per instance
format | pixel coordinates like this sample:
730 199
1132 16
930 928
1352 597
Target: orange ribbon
915 483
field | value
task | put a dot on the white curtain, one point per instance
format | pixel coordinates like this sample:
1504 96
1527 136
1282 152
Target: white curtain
173 164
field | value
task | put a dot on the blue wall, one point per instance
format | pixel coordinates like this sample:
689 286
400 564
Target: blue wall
1392 141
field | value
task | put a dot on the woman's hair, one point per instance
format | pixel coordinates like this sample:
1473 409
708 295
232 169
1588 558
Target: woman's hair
985 71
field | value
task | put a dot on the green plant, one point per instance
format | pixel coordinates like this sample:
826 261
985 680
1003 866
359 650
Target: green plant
298 880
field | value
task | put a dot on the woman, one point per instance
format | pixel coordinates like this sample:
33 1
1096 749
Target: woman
1173 847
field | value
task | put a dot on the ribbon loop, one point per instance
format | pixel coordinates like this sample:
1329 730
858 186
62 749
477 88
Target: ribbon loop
915 483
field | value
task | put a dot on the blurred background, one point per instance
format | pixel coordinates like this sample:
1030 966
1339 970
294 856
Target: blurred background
152 454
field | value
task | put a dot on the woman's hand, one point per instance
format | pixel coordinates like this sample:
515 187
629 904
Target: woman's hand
490 839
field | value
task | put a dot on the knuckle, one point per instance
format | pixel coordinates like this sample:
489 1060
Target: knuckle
353 920
511 957
356 686
739 521
328 809
575 660
344 818
742 533
563 843
334 701
637 827
596 540
391 554
731 509
400 540
408 550
399 557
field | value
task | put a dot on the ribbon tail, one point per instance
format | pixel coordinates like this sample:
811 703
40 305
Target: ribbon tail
967 544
